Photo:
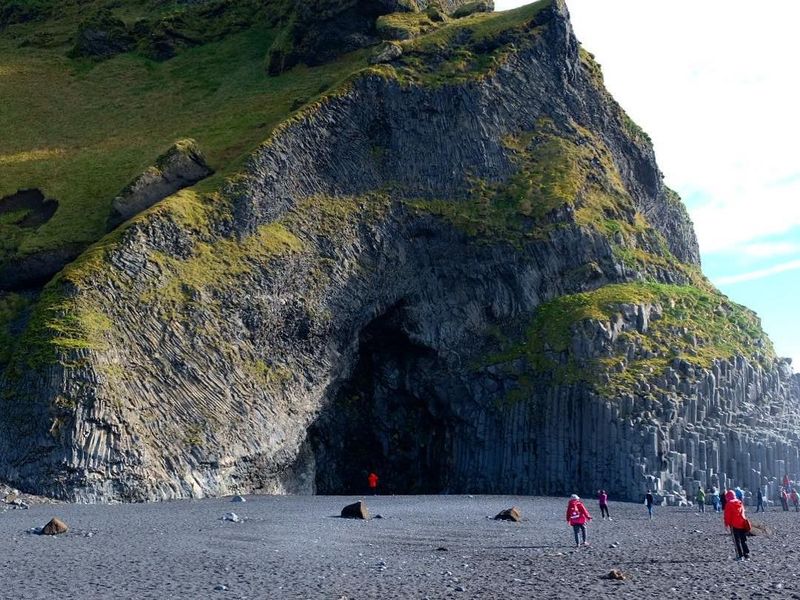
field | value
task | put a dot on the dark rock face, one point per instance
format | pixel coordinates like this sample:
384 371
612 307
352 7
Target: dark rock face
334 312
36 269
181 166
102 36
471 8
34 208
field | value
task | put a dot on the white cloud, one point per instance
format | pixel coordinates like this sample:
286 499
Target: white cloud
792 265
761 250
714 84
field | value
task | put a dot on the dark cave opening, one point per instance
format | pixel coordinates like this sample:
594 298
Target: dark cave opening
385 418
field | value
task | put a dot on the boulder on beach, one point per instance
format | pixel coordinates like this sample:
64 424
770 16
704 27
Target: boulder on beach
55 527
357 510
509 514
615 575
238 499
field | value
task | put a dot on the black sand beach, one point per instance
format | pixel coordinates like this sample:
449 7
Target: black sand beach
297 547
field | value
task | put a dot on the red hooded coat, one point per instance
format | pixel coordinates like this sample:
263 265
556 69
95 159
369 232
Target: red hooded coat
734 512
577 513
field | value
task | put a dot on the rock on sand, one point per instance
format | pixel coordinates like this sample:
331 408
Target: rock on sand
357 510
55 527
509 514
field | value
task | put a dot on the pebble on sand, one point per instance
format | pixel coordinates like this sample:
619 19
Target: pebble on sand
238 499
232 517
615 575
357 510
55 527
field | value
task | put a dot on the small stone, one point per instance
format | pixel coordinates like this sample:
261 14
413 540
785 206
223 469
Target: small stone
378 517
615 575
55 527
441 549
459 588
221 588
232 517
238 499
357 510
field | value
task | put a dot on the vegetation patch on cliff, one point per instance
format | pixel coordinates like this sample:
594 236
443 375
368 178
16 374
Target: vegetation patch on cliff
689 324
213 263
468 48
564 177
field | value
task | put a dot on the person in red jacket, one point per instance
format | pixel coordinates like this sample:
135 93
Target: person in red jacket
372 480
738 523
577 516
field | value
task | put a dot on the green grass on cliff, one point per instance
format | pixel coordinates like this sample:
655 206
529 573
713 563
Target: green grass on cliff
696 325
459 50
82 130
557 170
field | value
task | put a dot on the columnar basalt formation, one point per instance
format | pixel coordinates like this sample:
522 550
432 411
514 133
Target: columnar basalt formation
467 278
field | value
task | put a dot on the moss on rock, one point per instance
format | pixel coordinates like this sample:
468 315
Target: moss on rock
688 324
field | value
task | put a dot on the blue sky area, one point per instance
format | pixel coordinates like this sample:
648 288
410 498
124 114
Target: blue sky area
715 84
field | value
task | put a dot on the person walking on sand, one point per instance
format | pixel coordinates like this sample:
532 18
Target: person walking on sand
602 500
715 500
649 500
784 499
738 523
795 500
701 500
760 501
372 480
739 493
577 516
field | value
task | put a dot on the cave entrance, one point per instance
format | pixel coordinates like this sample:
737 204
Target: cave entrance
384 419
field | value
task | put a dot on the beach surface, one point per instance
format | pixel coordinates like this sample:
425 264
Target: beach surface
423 547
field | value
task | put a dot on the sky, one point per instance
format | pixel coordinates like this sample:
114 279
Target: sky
716 86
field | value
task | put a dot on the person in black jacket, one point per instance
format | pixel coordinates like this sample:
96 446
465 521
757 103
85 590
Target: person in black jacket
649 500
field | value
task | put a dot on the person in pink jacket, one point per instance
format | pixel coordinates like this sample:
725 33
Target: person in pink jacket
577 516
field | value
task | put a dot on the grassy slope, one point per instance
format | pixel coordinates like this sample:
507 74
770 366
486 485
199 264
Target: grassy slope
81 131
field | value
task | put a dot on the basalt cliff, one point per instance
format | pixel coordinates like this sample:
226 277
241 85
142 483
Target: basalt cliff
452 261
